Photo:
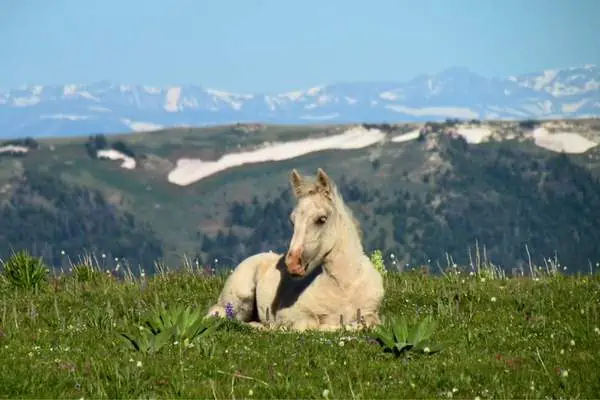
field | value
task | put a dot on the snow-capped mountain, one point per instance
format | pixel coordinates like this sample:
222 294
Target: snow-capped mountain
104 107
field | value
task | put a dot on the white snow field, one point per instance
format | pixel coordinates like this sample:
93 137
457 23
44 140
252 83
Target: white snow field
405 137
474 135
112 154
569 142
13 149
190 170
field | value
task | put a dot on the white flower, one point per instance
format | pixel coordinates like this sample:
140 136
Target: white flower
326 393
493 299
426 350
139 364
572 342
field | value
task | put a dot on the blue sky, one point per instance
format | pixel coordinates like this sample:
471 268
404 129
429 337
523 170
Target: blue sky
277 45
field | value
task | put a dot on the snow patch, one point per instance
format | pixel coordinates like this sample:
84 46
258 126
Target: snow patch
314 90
474 135
13 149
89 96
451 112
172 99
228 98
189 170
295 95
26 101
139 126
99 109
151 89
405 137
112 154
69 90
568 142
388 96
541 81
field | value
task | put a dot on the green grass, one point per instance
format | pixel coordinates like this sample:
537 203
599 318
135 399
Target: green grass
501 338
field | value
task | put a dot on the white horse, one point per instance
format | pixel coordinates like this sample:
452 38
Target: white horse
323 282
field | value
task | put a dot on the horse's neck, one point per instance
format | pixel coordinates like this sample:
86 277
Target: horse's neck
344 262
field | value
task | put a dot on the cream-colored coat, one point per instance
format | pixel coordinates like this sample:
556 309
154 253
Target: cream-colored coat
344 289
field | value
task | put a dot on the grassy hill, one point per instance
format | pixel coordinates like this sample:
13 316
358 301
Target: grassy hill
431 201
500 338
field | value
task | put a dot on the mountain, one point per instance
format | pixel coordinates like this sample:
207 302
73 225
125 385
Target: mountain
429 193
104 107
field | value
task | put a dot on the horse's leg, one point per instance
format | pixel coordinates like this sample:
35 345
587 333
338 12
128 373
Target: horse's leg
239 291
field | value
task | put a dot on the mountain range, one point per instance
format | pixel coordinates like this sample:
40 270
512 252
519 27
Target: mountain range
455 93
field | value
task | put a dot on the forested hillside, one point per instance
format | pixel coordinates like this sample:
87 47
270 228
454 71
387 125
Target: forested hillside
431 200
54 219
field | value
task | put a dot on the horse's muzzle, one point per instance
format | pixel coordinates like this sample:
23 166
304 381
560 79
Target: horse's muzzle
293 262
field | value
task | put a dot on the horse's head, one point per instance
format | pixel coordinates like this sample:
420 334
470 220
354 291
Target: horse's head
315 219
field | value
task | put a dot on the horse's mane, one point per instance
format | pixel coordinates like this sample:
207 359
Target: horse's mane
340 204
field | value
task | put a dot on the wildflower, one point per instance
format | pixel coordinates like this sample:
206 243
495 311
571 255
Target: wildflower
250 392
426 350
341 343
572 342
493 299
139 364
597 330
454 390
564 373
326 393
229 311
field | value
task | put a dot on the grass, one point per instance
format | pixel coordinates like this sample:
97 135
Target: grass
501 338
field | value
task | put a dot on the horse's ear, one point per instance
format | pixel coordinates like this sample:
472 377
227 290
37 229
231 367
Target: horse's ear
296 182
323 182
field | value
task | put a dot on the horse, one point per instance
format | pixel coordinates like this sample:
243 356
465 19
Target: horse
324 281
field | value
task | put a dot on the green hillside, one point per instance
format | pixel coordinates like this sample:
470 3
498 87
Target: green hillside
428 201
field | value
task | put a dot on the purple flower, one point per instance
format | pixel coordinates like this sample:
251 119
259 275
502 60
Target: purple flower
229 310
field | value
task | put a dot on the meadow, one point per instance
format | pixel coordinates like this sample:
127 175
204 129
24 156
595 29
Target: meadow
65 335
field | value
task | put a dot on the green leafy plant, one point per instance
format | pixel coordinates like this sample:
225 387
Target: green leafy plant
24 271
397 337
164 326
377 260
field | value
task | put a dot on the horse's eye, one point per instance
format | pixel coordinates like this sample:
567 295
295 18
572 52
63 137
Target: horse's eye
321 220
